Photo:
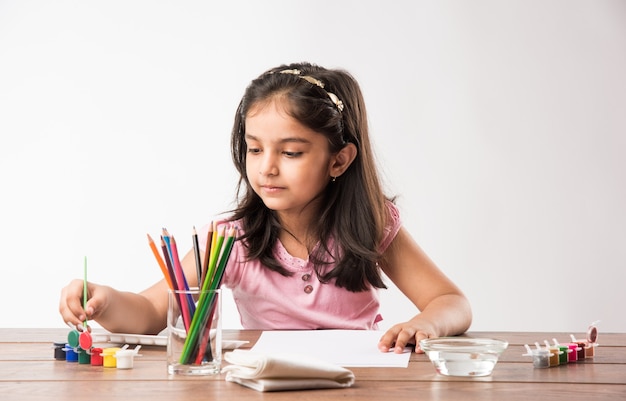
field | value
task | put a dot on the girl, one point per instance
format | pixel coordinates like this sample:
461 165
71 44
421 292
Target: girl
316 230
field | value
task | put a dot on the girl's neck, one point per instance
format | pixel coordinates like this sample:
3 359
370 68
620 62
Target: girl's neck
296 234
299 231
293 245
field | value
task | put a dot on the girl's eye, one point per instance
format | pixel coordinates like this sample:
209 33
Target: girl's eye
254 150
292 154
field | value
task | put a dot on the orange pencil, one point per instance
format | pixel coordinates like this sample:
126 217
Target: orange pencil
160 261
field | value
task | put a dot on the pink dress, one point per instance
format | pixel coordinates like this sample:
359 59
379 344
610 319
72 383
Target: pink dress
266 300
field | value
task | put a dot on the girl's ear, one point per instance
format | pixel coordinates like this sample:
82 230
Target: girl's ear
342 160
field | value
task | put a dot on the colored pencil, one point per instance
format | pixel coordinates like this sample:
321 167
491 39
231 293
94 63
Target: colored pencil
216 249
196 316
160 261
207 253
168 262
187 302
206 306
228 246
196 251
204 345
85 291
165 247
178 268
214 234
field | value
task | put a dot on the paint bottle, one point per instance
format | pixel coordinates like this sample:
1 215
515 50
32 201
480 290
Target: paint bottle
84 358
581 347
108 357
554 353
592 340
59 351
85 341
125 357
590 351
70 354
72 338
564 351
572 355
541 356
96 356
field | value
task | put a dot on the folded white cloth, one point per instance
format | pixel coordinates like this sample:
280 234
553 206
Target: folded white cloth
278 372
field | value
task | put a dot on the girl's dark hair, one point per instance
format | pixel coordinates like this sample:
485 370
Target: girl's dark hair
352 210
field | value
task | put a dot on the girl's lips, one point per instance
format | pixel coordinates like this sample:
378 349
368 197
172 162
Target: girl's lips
271 188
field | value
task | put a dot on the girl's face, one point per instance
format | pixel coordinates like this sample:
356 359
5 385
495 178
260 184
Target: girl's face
288 164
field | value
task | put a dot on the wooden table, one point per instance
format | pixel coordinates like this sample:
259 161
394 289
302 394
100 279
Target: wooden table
28 371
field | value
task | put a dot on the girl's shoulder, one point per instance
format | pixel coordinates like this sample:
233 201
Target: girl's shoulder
392 225
392 210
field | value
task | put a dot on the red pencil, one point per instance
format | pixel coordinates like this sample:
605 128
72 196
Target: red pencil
186 303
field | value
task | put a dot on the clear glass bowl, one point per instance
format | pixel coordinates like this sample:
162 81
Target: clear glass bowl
463 356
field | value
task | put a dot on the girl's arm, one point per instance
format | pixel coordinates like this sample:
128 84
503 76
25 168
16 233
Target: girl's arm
118 311
445 311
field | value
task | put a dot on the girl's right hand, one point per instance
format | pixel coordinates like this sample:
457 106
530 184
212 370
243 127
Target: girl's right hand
71 302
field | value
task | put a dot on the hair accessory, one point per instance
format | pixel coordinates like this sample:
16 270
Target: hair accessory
316 82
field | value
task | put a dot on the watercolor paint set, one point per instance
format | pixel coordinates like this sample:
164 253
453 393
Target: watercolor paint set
79 348
558 354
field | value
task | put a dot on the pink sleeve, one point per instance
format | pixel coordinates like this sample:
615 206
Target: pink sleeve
392 227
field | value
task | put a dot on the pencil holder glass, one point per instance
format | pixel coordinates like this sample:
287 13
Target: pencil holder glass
194 332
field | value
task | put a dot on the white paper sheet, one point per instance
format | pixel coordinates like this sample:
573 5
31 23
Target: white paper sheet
347 348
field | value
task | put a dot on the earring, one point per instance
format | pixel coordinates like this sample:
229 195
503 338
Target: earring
333 179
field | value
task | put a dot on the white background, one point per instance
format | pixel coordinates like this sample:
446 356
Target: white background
499 124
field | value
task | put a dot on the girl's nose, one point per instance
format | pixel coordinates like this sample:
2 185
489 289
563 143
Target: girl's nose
268 165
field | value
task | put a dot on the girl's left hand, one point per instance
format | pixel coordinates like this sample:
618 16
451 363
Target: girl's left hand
403 334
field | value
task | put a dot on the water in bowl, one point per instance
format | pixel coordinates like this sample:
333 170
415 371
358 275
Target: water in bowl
463 363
